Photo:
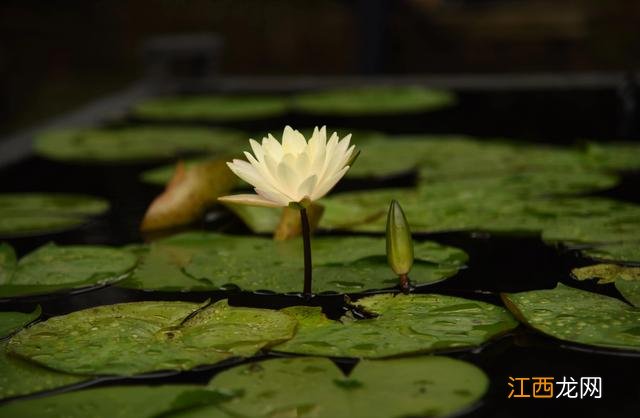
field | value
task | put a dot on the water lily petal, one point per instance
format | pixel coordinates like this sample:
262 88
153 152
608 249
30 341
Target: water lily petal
338 159
272 147
318 159
270 170
246 172
257 149
293 141
327 184
260 176
302 165
248 199
330 155
317 142
275 197
287 176
306 187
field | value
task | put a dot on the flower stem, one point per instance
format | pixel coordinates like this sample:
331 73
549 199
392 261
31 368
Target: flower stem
405 284
306 240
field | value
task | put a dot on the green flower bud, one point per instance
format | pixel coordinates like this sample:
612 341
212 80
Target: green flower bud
399 241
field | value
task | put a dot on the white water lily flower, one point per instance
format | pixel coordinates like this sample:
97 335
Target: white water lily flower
292 171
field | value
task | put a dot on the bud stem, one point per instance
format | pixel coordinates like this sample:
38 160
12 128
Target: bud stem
306 242
405 284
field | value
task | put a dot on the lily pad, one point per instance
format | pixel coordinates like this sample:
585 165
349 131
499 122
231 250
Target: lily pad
403 325
200 261
387 157
211 108
10 322
36 213
53 268
140 337
19 377
372 101
597 221
609 233
107 402
135 144
453 157
613 156
622 252
578 316
315 387
630 289
626 279
8 262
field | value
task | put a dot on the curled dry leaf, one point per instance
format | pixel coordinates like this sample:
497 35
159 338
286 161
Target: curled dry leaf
189 193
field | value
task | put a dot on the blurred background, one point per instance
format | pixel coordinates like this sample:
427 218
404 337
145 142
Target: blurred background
56 56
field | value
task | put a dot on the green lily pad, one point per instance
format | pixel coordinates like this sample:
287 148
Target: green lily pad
19 377
135 144
451 157
626 279
8 262
206 261
613 156
107 402
372 101
404 325
605 232
133 338
52 268
387 157
10 322
36 213
315 387
160 267
596 221
630 289
212 108
621 252
578 316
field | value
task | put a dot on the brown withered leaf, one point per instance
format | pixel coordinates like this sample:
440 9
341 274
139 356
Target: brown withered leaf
189 193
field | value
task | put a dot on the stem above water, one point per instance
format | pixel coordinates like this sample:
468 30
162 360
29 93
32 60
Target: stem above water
306 241
405 284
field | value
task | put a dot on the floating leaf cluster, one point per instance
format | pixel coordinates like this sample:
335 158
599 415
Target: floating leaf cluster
454 184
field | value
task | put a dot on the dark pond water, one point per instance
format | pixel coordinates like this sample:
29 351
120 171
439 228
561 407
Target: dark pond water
498 263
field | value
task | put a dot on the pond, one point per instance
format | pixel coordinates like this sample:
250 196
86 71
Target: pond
526 266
